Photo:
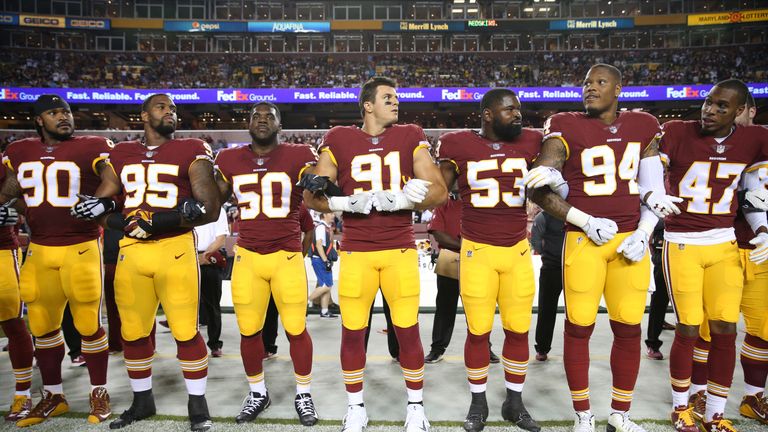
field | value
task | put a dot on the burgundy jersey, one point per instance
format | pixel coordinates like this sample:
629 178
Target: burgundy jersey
447 218
8 239
706 173
490 176
602 162
306 223
266 196
157 180
368 163
50 179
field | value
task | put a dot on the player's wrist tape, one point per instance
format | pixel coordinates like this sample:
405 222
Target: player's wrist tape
166 221
577 217
116 221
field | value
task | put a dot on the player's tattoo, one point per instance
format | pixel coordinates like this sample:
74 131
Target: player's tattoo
205 190
225 190
11 187
553 154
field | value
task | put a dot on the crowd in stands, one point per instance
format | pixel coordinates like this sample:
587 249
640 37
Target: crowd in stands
31 68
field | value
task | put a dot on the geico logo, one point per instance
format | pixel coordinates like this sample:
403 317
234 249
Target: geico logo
6 19
88 23
42 21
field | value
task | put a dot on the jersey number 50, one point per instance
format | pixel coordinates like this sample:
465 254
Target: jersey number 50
252 204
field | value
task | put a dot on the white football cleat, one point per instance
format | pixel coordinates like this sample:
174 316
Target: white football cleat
415 419
356 419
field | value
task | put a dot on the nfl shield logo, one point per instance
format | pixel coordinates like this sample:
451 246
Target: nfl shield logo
49 149
259 161
375 140
496 146
150 154
613 129
720 148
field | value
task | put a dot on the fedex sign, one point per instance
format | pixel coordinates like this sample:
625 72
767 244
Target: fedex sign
241 96
8 95
686 93
460 95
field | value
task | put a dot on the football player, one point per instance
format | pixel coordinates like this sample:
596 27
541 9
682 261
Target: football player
495 265
268 255
607 157
754 306
388 167
702 263
63 263
20 347
754 351
167 187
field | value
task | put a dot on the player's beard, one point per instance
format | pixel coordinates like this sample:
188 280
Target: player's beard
263 142
60 136
508 132
164 129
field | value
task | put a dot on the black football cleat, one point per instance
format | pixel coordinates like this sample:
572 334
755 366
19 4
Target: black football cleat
305 408
253 405
142 407
478 413
514 411
199 418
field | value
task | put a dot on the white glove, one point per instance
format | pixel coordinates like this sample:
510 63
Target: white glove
91 207
634 246
758 198
392 201
599 230
357 203
663 205
759 254
416 190
8 215
543 176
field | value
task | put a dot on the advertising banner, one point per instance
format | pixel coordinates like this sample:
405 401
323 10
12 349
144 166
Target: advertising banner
592 24
9 19
205 26
88 23
728 17
289 26
42 21
424 26
350 95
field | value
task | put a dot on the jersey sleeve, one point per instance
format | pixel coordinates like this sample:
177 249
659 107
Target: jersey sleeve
308 157
201 151
667 140
305 219
102 147
555 127
220 165
327 145
445 150
420 139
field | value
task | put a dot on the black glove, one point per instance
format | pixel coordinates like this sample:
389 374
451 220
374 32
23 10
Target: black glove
190 209
328 265
8 215
314 183
91 207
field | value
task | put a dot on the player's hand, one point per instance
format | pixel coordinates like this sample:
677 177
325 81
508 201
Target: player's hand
662 205
634 246
138 228
357 203
600 230
91 207
328 265
386 201
313 183
757 199
543 176
759 254
416 190
8 215
191 209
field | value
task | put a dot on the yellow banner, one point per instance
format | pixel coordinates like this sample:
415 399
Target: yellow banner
42 21
728 17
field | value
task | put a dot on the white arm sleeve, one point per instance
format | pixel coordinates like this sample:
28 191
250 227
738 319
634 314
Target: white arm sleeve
650 176
648 220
